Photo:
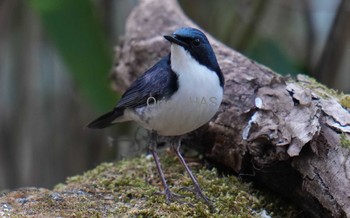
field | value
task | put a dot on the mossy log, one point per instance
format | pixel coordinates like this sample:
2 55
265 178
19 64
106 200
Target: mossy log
129 188
290 135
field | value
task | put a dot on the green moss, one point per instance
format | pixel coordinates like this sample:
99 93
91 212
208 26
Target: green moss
318 88
344 141
345 101
128 188
136 182
323 91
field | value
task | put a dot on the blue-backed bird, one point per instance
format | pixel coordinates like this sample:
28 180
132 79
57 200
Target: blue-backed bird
179 94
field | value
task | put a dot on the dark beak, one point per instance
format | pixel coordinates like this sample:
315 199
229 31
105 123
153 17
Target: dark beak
176 40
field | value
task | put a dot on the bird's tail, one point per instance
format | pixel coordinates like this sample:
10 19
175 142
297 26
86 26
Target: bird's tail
105 120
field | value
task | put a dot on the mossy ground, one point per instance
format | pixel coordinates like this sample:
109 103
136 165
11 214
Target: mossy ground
128 189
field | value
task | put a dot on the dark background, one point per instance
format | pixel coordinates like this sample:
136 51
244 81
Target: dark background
55 58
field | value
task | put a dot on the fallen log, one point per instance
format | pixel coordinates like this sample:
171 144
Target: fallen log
290 135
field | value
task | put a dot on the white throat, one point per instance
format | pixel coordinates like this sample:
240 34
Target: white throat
193 77
182 61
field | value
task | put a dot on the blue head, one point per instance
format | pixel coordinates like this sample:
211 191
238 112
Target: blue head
196 43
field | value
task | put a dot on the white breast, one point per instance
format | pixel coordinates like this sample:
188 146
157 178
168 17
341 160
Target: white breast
194 104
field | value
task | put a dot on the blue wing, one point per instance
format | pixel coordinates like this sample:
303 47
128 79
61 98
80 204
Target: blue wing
158 82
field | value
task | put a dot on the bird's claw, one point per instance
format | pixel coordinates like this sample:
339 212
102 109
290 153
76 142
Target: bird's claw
193 190
173 197
199 195
189 189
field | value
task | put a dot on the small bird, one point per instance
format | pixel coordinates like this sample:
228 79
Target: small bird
179 94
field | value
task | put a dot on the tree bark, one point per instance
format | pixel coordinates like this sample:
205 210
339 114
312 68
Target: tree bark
285 134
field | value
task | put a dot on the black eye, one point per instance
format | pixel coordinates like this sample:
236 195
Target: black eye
196 42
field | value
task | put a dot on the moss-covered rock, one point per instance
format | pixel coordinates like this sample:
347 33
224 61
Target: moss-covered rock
129 188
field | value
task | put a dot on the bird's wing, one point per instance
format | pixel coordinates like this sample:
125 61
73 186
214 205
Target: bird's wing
157 82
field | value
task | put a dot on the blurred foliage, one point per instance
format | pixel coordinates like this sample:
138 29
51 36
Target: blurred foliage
270 53
247 26
238 24
75 30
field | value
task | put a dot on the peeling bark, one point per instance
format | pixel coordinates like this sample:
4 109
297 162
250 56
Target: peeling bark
287 132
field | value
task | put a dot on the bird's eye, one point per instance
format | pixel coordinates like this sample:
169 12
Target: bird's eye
196 42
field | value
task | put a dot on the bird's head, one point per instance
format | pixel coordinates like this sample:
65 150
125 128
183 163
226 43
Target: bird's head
190 41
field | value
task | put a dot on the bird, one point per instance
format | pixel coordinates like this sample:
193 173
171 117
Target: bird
179 94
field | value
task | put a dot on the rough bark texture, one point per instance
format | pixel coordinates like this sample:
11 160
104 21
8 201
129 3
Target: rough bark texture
285 134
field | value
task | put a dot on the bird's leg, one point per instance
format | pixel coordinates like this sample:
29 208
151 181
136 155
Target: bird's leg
153 149
176 146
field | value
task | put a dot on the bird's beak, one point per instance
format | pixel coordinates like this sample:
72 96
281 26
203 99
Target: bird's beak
176 40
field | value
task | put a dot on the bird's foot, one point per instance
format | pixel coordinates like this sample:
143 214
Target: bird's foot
188 189
173 197
199 195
